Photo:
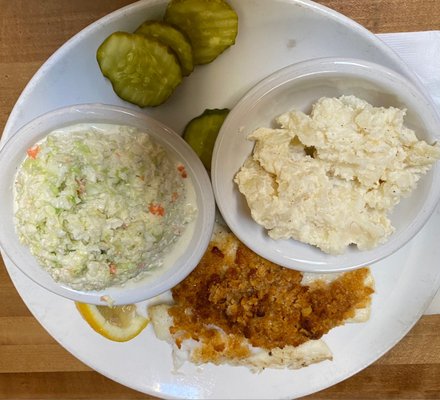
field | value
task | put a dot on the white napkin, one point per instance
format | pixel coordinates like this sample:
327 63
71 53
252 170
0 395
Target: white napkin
421 51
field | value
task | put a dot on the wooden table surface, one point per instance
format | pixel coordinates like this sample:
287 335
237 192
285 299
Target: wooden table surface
32 364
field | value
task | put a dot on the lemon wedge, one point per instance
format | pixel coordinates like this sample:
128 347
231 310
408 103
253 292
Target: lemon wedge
118 323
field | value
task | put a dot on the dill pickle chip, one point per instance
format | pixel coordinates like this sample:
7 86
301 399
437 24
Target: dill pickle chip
201 132
173 38
211 25
142 70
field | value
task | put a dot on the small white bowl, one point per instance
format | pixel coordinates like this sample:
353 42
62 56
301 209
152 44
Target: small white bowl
13 153
298 87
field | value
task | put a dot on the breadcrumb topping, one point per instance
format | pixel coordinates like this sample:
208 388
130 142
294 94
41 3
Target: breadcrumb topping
255 301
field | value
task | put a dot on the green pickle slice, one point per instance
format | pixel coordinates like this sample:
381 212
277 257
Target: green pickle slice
211 25
173 38
141 69
201 132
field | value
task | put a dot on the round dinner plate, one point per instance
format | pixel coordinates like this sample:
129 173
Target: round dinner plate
272 35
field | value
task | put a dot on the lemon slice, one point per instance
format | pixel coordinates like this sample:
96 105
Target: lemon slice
118 323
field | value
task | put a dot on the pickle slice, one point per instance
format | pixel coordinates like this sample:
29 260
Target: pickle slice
211 26
142 70
173 38
201 132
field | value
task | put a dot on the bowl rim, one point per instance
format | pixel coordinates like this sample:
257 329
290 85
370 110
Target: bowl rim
305 70
92 113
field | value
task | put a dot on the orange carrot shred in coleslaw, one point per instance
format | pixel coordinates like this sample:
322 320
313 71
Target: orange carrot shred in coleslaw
33 151
156 209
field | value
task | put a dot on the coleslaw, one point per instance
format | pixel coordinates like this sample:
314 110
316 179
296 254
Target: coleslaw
99 205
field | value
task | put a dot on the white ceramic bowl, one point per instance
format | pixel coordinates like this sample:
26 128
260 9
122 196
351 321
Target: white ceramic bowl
297 87
12 154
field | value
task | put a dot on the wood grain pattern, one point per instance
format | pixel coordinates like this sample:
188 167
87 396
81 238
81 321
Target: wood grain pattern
32 364
390 15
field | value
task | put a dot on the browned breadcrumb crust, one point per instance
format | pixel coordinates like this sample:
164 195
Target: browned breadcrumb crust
250 297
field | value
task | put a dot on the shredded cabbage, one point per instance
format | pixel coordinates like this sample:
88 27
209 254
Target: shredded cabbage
99 205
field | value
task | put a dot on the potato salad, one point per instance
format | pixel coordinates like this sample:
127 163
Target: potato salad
330 178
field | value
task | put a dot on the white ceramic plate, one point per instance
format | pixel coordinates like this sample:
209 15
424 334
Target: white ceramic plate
272 35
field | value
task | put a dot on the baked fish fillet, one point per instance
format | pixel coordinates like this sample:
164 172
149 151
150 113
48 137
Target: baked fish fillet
187 347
